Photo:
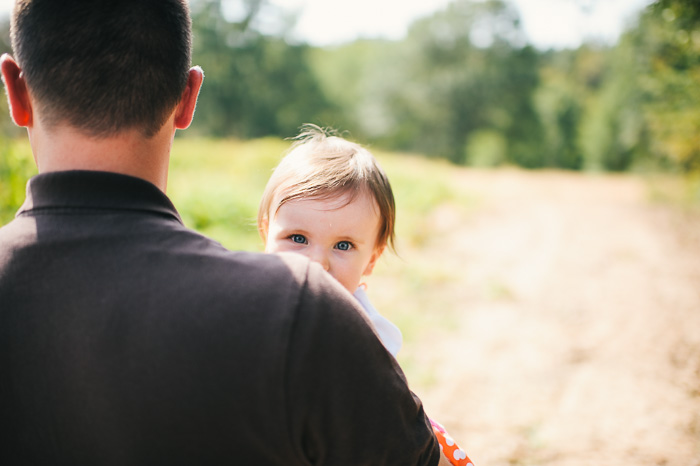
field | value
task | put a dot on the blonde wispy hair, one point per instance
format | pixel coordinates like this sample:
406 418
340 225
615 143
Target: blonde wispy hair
322 165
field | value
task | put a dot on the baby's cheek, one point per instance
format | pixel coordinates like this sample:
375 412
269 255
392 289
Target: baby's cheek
278 246
350 280
270 246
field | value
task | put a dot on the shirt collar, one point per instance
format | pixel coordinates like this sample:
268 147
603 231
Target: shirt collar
94 190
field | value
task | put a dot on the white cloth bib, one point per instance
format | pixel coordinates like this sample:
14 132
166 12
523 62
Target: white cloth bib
389 334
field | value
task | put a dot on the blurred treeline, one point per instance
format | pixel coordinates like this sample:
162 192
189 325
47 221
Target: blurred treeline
464 85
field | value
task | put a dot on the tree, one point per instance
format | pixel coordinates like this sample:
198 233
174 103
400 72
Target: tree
255 84
666 44
466 70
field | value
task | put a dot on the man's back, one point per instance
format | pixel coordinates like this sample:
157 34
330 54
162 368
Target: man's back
126 338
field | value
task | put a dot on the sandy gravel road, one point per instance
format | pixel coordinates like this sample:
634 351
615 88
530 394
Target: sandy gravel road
564 326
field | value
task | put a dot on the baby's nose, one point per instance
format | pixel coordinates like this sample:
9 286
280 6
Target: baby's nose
321 258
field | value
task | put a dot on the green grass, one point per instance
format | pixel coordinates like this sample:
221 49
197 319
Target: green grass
216 186
420 186
670 189
16 167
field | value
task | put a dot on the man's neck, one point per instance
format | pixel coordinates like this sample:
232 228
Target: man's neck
128 153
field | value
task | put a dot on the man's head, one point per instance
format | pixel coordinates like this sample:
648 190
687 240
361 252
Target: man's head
105 66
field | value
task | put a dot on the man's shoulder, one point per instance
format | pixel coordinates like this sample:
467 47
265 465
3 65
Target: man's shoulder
193 246
14 235
255 269
210 265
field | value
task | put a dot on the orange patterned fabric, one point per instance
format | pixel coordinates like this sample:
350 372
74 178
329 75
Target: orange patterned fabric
449 447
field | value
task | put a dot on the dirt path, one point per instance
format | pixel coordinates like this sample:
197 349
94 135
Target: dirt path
574 323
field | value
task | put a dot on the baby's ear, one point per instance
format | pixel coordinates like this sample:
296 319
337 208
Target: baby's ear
263 229
373 260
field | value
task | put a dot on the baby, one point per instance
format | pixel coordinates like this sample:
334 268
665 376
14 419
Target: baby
329 200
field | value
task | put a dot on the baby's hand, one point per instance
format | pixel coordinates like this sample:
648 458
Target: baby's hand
449 448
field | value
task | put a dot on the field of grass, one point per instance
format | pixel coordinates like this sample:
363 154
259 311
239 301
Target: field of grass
16 167
216 186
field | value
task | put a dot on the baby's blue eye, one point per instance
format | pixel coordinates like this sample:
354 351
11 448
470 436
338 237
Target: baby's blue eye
300 239
344 245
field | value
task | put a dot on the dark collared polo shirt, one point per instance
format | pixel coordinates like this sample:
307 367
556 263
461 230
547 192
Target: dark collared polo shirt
128 339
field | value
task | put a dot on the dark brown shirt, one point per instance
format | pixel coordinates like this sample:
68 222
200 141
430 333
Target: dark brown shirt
128 339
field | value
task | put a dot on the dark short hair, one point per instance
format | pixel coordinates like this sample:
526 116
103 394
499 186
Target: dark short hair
104 66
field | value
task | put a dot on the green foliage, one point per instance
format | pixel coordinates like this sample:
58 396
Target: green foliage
485 148
255 84
358 78
464 85
667 43
572 110
468 72
16 167
217 184
420 187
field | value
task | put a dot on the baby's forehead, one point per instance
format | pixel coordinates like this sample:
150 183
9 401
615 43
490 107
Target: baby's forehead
355 215
336 199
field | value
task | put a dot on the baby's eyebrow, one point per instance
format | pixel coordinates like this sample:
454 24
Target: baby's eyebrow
297 231
289 231
350 239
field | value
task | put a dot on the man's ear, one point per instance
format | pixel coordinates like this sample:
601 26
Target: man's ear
17 92
373 261
185 109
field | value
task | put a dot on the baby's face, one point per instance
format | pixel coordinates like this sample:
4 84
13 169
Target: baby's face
342 238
